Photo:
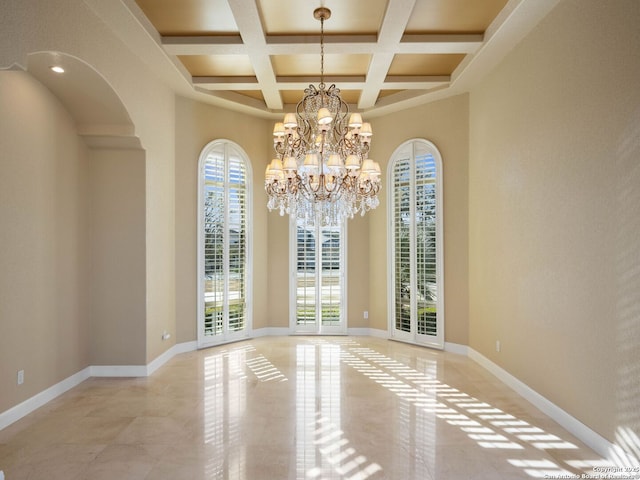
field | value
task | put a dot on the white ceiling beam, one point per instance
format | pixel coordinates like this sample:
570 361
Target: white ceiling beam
396 82
415 82
232 98
204 45
314 40
391 31
342 82
227 83
247 17
450 43
301 45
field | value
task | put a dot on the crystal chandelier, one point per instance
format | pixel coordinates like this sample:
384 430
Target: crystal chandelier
322 171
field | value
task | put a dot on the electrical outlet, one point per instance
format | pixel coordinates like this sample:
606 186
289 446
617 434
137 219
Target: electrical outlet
366 314
497 345
20 377
166 335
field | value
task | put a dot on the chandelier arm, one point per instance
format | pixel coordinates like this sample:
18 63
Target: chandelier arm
347 181
337 185
320 186
343 114
273 188
365 150
364 188
295 145
294 184
280 149
342 183
368 188
307 192
305 128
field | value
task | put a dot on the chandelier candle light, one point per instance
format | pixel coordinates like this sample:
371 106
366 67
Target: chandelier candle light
322 170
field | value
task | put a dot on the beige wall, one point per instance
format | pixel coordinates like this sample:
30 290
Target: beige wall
358 271
43 241
445 123
117 277
554 199
198 124
70 27
278 266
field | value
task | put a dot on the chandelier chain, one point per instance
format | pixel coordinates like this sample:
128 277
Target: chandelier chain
321 51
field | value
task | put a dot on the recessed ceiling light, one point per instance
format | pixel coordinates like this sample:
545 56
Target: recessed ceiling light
57 69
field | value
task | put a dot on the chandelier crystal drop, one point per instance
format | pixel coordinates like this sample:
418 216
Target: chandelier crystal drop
322 171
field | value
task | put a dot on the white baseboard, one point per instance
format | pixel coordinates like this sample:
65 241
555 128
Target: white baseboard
38 400
360 332
271 332
456 348
118 371
169 354
374 332
184 347
142 370
594 440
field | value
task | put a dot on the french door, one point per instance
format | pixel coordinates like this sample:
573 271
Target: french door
318 279
224 244
416 306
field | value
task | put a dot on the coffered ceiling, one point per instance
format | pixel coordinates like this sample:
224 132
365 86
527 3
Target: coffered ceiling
262 54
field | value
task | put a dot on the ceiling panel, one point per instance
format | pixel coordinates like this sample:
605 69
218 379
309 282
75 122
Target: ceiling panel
292 97
386 93
413 64
309 65
453 16
217 65
189 17
257 94
286 17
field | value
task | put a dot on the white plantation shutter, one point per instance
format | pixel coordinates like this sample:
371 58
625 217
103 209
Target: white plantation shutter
401 228
331 255
416 301
214 225
306 277
223 243
425 241
237 233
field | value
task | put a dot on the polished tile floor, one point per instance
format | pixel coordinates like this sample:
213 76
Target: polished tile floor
295 408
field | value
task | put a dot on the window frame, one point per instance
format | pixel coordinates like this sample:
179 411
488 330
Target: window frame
203 340
433 341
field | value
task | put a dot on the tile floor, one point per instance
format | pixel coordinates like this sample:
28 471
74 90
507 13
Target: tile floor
295 408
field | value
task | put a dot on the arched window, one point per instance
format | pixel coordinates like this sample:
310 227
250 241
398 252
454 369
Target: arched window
224 244
416 297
